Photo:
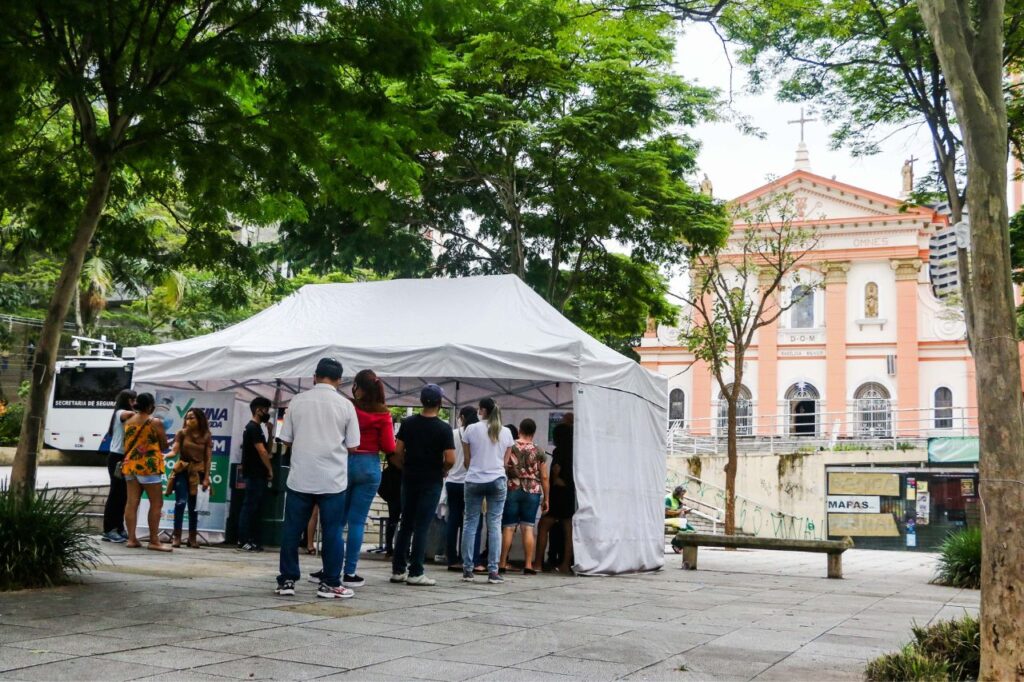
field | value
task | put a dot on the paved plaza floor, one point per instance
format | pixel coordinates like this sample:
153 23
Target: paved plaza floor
211 614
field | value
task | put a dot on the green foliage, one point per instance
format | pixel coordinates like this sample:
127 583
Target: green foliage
947 650
43 538
960 559
10 423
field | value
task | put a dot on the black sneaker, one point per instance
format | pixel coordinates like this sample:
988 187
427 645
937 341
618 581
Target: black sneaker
352 581
495 579
317 577
286 588
250 547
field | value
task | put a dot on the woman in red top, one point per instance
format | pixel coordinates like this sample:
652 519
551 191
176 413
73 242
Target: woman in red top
377 436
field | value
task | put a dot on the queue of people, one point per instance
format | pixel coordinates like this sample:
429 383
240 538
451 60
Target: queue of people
495 481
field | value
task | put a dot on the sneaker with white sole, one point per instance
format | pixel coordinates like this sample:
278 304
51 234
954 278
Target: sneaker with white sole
352 581
113 536
421 580
399 577
317 577
495 579
286 588
468 577
339 592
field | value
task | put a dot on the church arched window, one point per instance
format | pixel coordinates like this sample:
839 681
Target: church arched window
801 315
874 410
943 408
870 301
744 412
676 405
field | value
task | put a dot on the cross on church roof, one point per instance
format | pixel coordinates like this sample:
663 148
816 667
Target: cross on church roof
802 120
912 159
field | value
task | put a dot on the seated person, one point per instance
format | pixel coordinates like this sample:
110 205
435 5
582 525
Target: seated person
675 512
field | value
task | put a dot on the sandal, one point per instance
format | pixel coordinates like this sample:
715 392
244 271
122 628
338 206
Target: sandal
133 545
529 571
159 548
311 551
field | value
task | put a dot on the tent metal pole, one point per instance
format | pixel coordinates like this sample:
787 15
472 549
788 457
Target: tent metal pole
271 425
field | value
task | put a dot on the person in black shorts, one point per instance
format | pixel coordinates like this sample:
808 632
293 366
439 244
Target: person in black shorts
563 497
256 472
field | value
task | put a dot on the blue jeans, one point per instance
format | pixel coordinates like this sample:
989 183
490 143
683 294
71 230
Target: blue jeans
249 521
456 511
419 506
298 507
494 492
363 481
181 498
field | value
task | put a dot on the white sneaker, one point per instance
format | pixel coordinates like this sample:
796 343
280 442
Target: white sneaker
420 580
339 592
399 577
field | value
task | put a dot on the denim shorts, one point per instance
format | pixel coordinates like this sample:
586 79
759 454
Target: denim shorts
146 479
520 507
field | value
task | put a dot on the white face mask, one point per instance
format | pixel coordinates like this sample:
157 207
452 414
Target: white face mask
481 416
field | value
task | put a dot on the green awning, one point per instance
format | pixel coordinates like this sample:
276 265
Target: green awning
963 450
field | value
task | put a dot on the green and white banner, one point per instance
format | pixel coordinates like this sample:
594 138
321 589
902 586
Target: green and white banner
171 407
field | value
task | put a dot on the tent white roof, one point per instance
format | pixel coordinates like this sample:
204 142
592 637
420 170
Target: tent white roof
492 327
494 336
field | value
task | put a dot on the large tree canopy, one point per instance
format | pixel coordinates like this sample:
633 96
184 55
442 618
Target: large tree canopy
561 157
251 111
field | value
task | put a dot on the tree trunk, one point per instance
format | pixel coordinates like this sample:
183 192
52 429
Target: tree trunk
974 73
23 473
730 468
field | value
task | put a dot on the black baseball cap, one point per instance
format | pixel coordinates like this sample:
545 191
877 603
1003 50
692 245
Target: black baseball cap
431 395
328 368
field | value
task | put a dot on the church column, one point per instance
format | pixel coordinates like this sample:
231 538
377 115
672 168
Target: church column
835 346
768 366
907 378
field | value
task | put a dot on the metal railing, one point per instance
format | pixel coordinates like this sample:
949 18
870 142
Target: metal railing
875 424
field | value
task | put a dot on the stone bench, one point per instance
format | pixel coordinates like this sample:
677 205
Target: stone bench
689 542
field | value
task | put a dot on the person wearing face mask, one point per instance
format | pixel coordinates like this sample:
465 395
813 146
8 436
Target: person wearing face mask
257 472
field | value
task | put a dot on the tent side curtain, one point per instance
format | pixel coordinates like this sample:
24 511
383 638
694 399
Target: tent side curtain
619 466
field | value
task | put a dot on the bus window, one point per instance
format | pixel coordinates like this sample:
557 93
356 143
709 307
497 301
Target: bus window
90 386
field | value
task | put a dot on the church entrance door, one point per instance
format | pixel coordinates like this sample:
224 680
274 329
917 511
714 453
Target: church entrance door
803 409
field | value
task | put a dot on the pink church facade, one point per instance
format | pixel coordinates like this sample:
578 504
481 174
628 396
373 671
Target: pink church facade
871 353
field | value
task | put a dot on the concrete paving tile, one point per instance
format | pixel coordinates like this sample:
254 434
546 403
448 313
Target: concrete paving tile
523 675
257 668
766 640
77 645
427 669
18 633
171 657
354 625
421 615
360 675
299 635
676 669
454 632
85 670
516 647
355 652
183 676
236 644
151 634
82 622
523 620
275 616
713 661
220 624
580 667
12 658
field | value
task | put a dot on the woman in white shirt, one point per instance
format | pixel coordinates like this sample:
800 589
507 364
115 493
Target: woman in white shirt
487 446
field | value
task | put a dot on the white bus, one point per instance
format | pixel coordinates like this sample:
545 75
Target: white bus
83 394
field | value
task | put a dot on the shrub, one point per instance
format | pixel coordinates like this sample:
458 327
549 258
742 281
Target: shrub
960 559
43 538
10 424
948 650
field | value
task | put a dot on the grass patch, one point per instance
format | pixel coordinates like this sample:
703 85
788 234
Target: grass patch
948 650
960 559
43 538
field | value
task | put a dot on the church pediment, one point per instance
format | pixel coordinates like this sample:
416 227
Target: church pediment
815 197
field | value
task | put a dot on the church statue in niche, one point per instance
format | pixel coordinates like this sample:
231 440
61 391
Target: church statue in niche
706 188
908 176
871 300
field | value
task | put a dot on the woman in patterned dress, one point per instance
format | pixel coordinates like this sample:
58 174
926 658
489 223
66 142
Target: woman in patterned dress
145 442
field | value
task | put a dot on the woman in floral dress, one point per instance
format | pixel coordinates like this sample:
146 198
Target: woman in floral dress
145 442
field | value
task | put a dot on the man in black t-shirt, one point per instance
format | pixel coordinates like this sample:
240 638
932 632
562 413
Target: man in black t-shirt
425 451
256 471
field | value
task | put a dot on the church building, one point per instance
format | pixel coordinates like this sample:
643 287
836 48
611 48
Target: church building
870 353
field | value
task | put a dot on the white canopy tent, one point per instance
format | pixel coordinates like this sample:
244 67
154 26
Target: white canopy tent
476 336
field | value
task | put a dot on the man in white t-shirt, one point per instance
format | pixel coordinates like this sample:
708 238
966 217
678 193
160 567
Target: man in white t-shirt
320 425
